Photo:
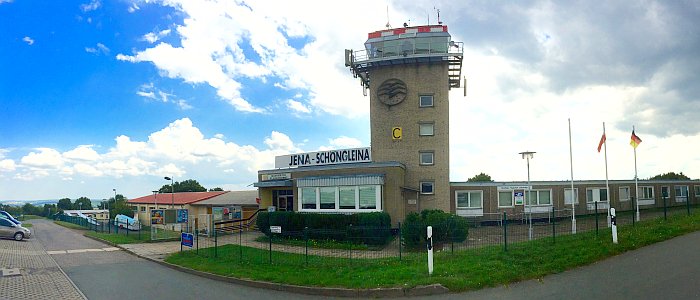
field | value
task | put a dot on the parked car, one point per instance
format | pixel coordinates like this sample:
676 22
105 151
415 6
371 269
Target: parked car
7 215
8 229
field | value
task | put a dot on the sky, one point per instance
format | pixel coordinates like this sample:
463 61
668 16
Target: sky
101 95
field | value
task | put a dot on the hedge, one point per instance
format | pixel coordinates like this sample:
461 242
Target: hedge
446 228
369 228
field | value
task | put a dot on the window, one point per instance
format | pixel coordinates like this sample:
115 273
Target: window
646 192
426 187
664 192
427 158
624 193
426 101
697 190
596 195
346 197
568 196
681 193
469 199
539 197
327 196
426 129
505 199
143 208
308 198
368 197
341 198
5 222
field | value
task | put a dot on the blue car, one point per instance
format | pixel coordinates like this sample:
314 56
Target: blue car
7 215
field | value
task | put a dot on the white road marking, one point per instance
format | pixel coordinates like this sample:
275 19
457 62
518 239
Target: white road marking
108 249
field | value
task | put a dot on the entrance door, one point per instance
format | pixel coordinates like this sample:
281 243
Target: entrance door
281 203
290 203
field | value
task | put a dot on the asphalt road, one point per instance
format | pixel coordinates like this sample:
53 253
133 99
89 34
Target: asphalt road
120 275
667 270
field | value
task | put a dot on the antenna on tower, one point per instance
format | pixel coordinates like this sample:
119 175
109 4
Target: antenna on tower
438 14
387 17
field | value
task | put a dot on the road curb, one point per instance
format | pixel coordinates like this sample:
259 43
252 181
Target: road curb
424 290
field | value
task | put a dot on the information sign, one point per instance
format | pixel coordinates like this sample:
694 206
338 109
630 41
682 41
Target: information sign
157 217
519 196
276 229
182 215
187 239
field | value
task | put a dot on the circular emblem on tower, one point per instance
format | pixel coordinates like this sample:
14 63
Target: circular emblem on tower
392 91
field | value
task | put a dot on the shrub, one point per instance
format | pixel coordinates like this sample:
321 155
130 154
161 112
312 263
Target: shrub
368 228
446 228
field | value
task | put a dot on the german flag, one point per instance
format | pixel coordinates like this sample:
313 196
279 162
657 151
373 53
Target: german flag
635 140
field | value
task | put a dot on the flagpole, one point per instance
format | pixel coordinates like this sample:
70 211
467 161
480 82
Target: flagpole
607 186
573 195
636 184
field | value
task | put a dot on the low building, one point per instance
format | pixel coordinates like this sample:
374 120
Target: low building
477 199
98 214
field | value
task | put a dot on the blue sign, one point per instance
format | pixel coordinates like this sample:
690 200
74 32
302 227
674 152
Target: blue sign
182 216
187 239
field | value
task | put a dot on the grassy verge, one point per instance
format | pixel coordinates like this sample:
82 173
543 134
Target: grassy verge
70 225
27 225
463 270
31 217
121 238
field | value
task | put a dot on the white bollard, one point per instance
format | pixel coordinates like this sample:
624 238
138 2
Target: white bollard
613 222
429 242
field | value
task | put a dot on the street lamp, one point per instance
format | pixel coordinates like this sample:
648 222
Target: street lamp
527 155
115 202
172 189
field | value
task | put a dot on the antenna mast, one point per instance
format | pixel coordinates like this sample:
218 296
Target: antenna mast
387 17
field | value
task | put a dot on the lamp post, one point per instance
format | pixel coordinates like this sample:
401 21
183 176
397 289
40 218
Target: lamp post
172 189
527 155
115 201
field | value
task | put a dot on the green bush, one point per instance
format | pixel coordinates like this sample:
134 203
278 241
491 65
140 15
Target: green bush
368 228
446 228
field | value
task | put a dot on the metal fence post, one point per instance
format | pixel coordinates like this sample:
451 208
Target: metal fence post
664 208
554 225
216 243
687 202
452 240
306 244
634 207
240 243
270 241
349 240
400 236
596 217
505 232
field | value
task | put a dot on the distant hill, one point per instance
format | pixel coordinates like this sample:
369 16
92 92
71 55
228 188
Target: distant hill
95 202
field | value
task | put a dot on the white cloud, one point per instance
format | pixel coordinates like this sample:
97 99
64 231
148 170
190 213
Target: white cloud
133 7
7 165
219 136
98 49
344 142
28 40
153 37
82 152
297 106
149 91
211 50
94 5
46 158
6 1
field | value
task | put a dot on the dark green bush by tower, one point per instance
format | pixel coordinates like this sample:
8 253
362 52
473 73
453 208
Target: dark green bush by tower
447 228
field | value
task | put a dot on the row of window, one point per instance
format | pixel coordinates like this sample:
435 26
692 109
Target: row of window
474 199
341 198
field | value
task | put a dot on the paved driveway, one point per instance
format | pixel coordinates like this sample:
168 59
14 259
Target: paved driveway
40 277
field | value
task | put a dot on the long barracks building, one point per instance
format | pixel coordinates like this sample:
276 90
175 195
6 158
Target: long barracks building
408 73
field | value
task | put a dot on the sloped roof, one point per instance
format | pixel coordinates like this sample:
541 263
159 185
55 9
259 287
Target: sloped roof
232 198
176 198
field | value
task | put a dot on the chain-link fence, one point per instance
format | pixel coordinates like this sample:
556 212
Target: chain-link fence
133 229
372 245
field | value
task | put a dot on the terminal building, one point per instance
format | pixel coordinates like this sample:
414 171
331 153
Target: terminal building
408 73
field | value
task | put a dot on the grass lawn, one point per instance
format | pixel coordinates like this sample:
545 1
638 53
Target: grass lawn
26 225
31 217
321 244
70 225
132 238
460 271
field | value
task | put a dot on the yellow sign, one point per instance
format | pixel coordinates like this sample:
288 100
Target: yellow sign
396 133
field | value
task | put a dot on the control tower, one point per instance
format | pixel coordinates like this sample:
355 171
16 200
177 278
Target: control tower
409 72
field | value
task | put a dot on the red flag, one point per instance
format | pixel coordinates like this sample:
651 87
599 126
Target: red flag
635 140
602 141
